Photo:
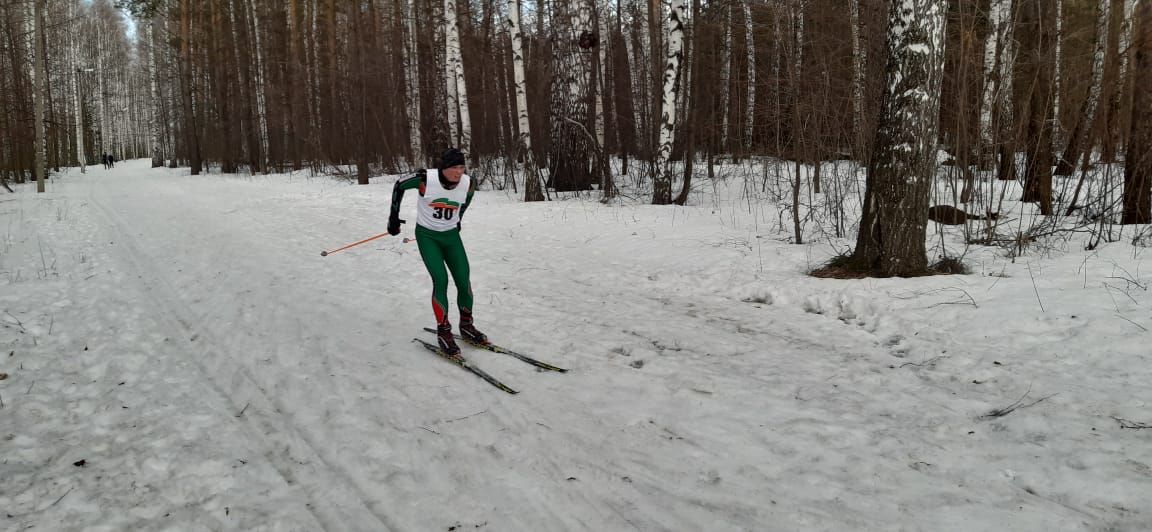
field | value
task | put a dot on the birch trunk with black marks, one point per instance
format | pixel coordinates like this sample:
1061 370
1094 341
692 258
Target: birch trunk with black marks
412 102
725 77
1005 119
569 157
750 40
1114 136
662 187
859 71
892 234
1057 70
39 91
154 93
994 46
457 88
532 186
74 64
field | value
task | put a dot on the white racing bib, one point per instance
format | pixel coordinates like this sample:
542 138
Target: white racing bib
439 208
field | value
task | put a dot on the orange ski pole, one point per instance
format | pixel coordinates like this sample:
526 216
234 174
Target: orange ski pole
326 253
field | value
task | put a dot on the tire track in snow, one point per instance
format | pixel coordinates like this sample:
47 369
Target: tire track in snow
334 498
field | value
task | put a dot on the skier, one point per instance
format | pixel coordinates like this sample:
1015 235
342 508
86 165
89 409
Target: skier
445 193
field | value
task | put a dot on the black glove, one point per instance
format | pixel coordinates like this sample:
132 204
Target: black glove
394 225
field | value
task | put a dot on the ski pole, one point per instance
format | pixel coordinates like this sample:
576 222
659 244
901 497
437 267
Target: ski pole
326 253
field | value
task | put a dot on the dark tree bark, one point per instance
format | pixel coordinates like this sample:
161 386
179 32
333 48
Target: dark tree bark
1138 160
1038 21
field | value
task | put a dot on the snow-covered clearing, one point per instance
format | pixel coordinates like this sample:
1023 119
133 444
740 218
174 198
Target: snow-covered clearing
180 357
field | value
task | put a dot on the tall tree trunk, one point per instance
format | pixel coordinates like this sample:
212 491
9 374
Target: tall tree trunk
1005 121
599 69
81 160
39 91
1057 70
258 80
726 77
102 95
191 130
1113 135
798 130
299 105
750 44
412 93
859 72
569 158
154 92
893 226
662 187
449 68
532 190
1067 164
1138 158
444 121
999 13
1038 17
693 105
243 45
640 76
457 88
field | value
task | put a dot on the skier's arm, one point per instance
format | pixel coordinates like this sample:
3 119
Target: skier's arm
468 201
398 190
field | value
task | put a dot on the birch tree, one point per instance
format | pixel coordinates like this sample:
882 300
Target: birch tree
74 65
259 83
39 79
642 88
457 88
154 91
569 158
725 76
993 94
859 71
749 38
532 191
1066 164
1004 120
893 225
412 93
1114 135
662 186
1057 70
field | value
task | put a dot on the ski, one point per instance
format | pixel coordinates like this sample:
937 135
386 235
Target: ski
464 363
497 349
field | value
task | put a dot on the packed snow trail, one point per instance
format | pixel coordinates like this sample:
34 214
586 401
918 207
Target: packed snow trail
711 385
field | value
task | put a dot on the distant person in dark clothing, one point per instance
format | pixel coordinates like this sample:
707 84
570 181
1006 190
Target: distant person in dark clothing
104 159
111 161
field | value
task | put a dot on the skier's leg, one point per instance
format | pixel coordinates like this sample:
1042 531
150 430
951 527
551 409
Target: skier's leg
431 250
457 260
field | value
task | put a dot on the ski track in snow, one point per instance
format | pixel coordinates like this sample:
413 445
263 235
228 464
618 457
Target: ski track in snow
712 387
295 454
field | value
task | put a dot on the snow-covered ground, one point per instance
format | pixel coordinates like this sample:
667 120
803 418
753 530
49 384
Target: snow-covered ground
180 357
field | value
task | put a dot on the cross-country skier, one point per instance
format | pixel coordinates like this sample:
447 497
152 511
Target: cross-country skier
445 194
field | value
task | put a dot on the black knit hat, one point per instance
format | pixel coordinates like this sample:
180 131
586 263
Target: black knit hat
451 157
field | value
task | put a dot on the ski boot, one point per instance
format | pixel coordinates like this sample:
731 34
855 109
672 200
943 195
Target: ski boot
445 339
470 332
